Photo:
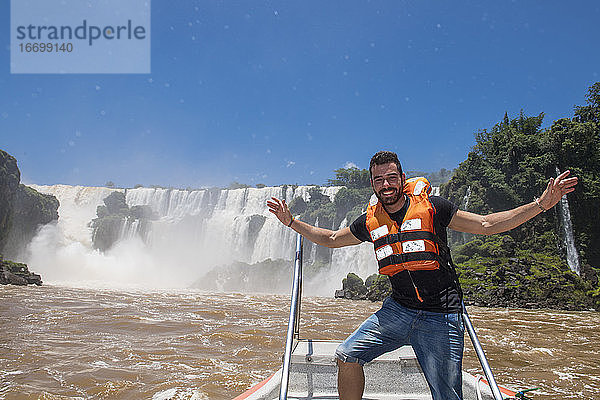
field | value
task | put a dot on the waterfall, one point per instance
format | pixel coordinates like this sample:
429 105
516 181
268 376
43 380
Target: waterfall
81 201
129 229
465 201
569 239
465 207
196 231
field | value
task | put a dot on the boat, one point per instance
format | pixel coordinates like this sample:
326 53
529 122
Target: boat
309 368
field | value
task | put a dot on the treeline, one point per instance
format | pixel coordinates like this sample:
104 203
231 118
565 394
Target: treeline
511 164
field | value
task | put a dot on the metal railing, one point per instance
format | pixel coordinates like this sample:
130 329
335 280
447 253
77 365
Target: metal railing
481 355
294 319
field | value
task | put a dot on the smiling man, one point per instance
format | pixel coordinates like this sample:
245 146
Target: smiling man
408 230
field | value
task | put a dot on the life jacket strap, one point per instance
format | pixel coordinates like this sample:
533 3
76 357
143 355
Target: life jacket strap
404 237
407 257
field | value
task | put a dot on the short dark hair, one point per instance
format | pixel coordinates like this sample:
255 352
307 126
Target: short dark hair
384 157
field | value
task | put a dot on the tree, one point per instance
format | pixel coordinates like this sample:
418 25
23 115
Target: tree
237 185
351 177
591 112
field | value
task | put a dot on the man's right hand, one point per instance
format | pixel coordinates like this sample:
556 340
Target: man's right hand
281 210
324 237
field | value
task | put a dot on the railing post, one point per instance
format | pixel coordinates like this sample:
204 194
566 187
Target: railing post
298 260
294 319
481 355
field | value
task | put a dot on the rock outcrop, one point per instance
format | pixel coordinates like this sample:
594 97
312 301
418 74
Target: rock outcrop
12 273
375 288
113 217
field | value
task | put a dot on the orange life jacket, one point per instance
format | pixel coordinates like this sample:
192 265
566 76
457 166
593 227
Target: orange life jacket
412 246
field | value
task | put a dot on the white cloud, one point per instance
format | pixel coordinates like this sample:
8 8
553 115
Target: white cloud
290 163
350 164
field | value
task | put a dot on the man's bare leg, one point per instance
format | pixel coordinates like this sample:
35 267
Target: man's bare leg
351 380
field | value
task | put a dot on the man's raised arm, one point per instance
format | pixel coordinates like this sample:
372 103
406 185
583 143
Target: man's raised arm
324 237
503 221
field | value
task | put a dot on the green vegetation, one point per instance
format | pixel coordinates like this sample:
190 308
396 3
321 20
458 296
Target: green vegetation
509 166
435 178
350 200
352 178
494 272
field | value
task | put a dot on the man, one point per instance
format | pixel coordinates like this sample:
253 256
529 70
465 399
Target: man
408 229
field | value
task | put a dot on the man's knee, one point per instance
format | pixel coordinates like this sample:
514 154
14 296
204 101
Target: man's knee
342 354
347 364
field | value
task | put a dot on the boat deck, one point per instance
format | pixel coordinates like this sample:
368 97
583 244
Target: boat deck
395 375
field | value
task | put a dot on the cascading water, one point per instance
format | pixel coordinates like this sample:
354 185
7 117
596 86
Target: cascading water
569 239
465 207
195 232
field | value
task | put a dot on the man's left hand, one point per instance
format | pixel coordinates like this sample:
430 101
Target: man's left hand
556 189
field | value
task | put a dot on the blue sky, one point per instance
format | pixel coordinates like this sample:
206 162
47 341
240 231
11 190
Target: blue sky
286 92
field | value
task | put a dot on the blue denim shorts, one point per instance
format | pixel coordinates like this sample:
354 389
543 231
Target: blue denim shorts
437 339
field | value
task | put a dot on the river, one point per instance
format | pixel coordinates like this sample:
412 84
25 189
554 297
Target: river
59 342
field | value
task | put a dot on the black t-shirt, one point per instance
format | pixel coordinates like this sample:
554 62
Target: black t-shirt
438 288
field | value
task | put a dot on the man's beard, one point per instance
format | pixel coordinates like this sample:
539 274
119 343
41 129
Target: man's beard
389 200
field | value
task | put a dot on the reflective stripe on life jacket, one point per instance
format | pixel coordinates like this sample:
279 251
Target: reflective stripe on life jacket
413 245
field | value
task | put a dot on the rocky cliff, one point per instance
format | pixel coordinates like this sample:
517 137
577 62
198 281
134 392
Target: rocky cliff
22 209
9 182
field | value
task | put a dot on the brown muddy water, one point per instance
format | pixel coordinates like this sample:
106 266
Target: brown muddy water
63 343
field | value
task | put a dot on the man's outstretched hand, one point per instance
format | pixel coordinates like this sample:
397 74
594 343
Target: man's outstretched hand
281 210
557 188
